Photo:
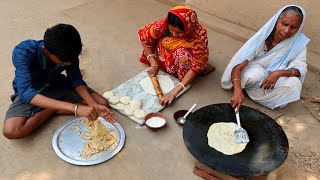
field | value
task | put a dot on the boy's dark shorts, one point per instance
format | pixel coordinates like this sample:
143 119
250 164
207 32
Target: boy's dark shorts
20 109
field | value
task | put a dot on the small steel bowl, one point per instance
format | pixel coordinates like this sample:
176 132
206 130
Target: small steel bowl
155 114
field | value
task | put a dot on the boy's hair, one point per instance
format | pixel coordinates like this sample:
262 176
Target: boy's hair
63 40
175 21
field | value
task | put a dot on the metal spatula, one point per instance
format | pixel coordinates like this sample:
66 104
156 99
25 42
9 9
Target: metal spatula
240 134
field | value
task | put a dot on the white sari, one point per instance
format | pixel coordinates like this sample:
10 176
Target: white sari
290 53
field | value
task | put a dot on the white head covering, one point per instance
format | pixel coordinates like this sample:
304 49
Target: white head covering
295 44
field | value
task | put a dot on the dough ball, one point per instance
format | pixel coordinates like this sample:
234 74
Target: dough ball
139 113
135 104
120 106
108 94
128 111
114 100
125 99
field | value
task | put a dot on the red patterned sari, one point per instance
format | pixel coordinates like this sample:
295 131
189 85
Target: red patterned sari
170 50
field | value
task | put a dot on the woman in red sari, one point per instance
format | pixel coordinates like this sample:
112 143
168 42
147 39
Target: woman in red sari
177 44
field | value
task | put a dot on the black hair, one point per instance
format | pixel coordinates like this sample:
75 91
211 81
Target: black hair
175 21
63 40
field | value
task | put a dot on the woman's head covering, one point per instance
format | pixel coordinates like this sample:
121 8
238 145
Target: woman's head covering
189 19
195 36
294 44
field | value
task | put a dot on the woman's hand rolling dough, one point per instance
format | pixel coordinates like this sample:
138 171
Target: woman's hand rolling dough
153 70
167 99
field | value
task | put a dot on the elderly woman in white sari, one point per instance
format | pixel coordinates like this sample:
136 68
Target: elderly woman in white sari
270 66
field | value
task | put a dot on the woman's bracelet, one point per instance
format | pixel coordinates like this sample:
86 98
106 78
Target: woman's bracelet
150 56
153 65
292 72
182 85
236 79
173 94
76 110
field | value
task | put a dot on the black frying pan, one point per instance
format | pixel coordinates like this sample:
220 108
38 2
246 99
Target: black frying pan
266 151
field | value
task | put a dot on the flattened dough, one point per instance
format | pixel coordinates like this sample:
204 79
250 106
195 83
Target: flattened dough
114 100
135 104
108 94
125 99
165 82
221 137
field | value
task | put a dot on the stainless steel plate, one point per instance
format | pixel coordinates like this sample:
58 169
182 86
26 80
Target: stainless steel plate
68 144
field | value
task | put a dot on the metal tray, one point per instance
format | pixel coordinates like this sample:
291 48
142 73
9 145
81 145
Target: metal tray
68 144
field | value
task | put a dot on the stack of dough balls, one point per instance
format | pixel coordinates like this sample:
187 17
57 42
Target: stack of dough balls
130 107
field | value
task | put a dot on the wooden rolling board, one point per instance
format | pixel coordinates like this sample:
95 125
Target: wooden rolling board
132 88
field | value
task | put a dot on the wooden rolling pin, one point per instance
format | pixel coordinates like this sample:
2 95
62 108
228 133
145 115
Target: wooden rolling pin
156 86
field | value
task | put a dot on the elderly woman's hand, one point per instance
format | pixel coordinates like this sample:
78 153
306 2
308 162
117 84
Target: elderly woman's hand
237 98
153 70
271 80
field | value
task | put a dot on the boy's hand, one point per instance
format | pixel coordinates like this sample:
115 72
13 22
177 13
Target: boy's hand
105 112
88 112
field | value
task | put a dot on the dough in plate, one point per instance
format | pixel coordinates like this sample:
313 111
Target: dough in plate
139 113
108 94
165 82
125 99
114 100
120 106
221 137
99 138
128 111
135 104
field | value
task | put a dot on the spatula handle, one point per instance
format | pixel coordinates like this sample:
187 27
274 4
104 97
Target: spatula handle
237 116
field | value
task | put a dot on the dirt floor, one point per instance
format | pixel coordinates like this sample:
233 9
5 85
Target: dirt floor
110 57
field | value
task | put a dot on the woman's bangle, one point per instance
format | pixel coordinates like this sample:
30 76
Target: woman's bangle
150 56
76 110
292 72
236 79
182 85
173 94
154 65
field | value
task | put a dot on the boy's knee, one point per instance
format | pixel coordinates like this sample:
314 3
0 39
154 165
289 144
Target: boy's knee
10 131
7 131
